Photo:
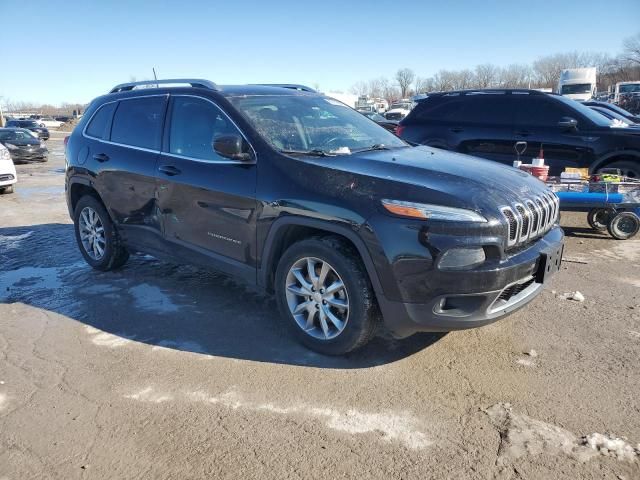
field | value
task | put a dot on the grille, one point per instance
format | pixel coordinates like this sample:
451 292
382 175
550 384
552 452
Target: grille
510 292
532 218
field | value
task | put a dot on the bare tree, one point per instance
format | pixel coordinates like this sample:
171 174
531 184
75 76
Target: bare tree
632 49
486 75
359 88
405 78
515 76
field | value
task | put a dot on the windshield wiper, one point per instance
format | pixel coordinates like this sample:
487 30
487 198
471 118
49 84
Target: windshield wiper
316 152
375 146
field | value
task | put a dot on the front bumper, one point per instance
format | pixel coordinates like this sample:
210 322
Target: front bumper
496 292
36 155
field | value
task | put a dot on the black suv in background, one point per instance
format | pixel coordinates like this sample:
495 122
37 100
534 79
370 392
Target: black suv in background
307 198
31 125
488 123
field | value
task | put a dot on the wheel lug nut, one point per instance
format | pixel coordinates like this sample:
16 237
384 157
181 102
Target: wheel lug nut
324 302
322 290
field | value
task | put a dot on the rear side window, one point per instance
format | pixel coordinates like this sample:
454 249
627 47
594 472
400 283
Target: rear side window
138 122
99 125
483 108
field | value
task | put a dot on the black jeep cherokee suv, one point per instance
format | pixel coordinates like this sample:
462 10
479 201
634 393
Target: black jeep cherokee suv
488 123
307 198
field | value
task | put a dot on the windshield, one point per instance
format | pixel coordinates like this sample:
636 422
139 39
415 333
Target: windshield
575 89
28 124
16 135
592 115
630 88
313 123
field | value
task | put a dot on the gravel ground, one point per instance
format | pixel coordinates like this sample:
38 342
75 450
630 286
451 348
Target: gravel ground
164 371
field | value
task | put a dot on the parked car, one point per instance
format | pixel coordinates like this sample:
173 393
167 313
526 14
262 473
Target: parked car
8 175
23 146
398 111
64 118
488 123
611 115
32 125
303 196
50 122
390 125
615 108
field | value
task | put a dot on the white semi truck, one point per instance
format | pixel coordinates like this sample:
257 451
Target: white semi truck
578 83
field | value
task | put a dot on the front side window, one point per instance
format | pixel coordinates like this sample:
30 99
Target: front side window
304 123
195 124
138 122
101 121
538 111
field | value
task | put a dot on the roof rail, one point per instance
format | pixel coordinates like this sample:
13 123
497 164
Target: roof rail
477 91
194 82
290 86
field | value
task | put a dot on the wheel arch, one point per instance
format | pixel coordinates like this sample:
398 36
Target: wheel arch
603 161
78 187
286 231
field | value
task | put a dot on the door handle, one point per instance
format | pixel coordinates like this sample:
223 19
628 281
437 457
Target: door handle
169 170
101 157
523 133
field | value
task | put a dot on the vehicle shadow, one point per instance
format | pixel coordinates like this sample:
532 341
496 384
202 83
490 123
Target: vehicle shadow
164 305
586 232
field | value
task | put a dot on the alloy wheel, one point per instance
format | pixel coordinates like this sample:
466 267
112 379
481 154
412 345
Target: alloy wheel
317 298
92 233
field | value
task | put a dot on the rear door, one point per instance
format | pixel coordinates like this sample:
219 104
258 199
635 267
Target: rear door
207 202
536 122
124 160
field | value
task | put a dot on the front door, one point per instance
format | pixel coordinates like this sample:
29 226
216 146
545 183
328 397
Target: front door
207 202
536 122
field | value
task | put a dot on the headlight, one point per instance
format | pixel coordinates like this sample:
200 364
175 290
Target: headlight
4 154
462 258
431 212
11 146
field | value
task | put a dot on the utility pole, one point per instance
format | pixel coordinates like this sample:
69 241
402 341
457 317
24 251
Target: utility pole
1 115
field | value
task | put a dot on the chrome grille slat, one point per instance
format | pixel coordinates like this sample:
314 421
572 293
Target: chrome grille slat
531 218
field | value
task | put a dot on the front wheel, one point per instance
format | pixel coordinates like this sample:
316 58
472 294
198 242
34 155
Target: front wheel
598 218
323 291
7 189
97 236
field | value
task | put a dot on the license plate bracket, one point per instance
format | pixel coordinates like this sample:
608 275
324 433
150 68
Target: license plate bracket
549 264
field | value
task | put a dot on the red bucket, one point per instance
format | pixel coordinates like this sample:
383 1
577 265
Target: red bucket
541 173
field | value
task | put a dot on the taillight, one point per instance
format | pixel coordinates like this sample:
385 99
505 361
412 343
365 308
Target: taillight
66 140
399 130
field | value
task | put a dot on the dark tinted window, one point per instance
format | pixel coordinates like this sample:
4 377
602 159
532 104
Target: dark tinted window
195 123
138 122
538 110
101 121
482 108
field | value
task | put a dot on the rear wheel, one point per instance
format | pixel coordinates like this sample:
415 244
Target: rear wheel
598 218
323 291
7 189
624 225
97 236
628 168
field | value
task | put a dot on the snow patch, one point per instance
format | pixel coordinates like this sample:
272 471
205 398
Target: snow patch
522 435
392 427
12 242
526 362
148 395
575 296
151 298
104 339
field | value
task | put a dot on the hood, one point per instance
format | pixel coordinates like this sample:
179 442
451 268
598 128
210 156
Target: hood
430 175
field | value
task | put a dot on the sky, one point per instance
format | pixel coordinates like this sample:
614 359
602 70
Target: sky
72 51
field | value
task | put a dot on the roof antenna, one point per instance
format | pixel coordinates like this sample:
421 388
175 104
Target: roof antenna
155 77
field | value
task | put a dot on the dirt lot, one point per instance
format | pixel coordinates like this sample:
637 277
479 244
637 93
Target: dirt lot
164 371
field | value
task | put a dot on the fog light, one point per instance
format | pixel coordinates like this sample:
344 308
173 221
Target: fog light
462 258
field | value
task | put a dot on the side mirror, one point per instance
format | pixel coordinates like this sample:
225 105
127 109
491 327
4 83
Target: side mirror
568 123
233 147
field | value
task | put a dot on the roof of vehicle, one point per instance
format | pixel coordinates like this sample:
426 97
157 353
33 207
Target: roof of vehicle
483 91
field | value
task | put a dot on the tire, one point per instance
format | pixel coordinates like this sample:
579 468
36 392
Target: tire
624 225
628 168
356 324
599 218
6 190
110 253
